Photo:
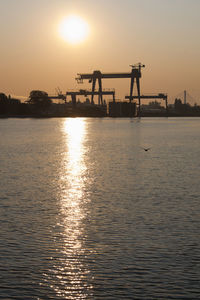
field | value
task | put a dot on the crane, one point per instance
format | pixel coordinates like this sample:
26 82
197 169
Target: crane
158 96
97 75
85 93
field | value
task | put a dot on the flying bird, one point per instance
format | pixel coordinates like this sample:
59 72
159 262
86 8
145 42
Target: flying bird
145 149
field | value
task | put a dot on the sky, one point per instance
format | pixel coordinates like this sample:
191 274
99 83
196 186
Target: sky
162 34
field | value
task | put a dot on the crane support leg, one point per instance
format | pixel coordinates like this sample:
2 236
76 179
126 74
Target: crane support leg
93 89
138 90
113 97
73 100
131 88
100 100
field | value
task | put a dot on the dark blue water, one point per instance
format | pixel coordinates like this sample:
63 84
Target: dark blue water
86 213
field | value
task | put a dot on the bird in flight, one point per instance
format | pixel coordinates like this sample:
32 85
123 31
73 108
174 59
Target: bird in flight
145 149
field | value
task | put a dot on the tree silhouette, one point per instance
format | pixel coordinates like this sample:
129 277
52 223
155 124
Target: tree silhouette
39 100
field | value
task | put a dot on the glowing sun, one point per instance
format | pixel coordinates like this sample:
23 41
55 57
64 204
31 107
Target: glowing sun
73 29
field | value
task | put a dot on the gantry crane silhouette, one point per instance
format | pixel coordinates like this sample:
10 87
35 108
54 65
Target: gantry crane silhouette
85 93
135 74
59 95
158 96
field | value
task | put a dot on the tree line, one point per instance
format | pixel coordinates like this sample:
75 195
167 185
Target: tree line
38 102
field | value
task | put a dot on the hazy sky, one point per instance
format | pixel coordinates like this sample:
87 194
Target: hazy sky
162 34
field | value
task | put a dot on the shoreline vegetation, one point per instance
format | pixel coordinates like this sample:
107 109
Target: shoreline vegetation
84 116
40 105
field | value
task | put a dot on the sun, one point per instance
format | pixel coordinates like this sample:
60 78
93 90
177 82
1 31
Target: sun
73 29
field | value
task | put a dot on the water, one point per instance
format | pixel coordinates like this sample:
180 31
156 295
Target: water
86 213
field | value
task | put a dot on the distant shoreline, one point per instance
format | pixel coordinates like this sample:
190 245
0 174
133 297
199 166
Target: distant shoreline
81 116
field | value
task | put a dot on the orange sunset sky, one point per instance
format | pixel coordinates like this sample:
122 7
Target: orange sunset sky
162 34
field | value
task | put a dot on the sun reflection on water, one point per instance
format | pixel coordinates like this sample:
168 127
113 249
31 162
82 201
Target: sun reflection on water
72 271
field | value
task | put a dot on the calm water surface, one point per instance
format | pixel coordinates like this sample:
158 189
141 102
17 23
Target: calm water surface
86 213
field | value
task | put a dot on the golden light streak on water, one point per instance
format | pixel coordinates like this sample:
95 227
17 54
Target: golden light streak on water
71 271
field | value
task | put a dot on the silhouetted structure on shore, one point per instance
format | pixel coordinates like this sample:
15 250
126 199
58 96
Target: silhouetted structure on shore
147 97
134 75
39 104
122 109
184 109
9 105
85 93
